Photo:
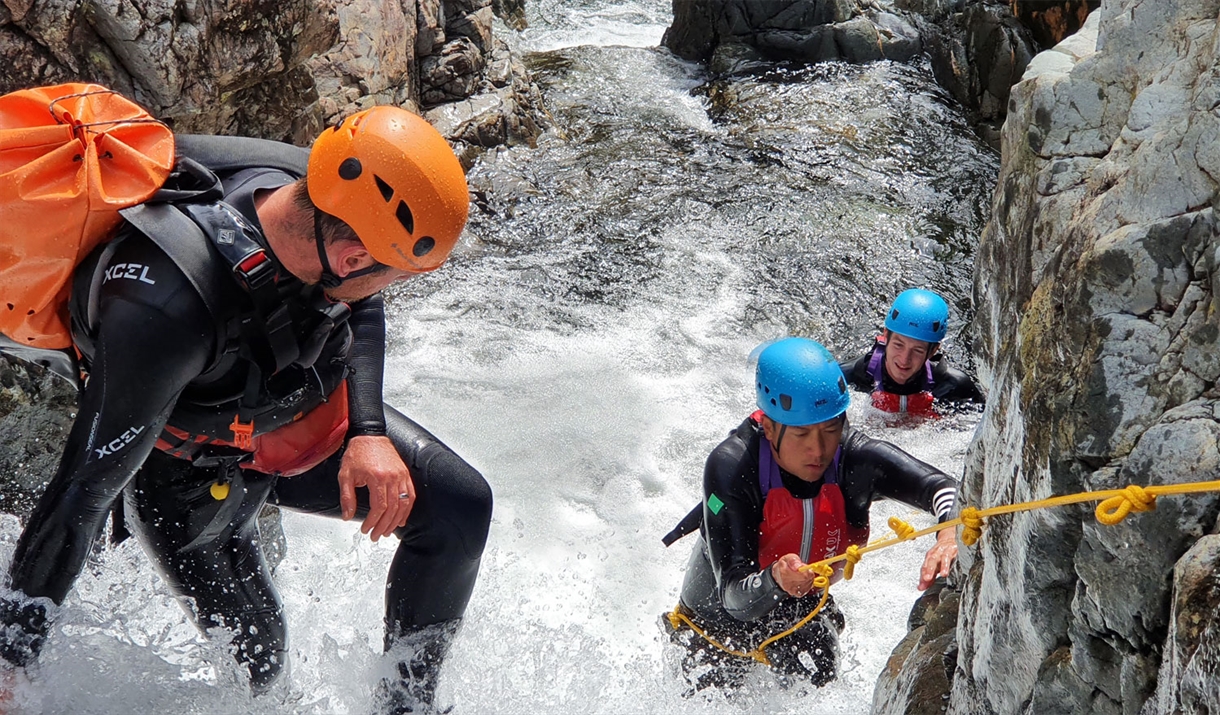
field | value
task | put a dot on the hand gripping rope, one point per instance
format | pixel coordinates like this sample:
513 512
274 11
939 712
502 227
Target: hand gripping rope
1115 505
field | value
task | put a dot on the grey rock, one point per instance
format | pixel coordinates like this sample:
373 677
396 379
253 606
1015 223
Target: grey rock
1091 281
916 678
36 412
858 41
281 71
1187 679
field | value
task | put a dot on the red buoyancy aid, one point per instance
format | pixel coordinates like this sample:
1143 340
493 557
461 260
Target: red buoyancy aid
813 529
288 450
919 404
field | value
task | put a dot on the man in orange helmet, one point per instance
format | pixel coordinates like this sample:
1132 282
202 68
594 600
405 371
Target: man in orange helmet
234 337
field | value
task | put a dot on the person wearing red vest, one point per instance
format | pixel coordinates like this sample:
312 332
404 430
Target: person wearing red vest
792 485
904 371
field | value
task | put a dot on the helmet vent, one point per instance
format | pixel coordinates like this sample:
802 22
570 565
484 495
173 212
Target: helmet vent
893 315
842 386
785 401
423 246
403 212
936 326
350 169
387 191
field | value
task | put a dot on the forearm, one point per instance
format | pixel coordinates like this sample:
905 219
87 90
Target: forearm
910 481
751 597
366 411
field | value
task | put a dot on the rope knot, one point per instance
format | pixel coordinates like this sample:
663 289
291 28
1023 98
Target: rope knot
972 526
1116 508
901 528
853 557
824 572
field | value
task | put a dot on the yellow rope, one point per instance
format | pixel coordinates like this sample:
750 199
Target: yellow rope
1115 505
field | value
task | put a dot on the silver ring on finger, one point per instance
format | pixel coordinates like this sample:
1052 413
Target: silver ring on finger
404 496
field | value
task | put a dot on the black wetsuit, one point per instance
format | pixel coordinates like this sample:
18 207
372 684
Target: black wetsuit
949 384
735 597
159 353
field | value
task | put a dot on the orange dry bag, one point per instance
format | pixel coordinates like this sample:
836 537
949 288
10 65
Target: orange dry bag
71 156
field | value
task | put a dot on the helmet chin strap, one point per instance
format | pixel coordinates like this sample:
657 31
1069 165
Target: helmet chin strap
329 280
779 439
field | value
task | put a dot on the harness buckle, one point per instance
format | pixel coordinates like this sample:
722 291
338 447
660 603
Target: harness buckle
255 270
243 433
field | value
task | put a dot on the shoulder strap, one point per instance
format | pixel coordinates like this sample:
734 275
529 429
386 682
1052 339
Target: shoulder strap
183 241
874 364
223 154
187 234
768 471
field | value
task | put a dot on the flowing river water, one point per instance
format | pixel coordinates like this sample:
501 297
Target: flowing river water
585 349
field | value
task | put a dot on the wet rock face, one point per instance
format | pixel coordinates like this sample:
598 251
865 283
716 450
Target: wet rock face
978 48
1095 290
1051 23
280 70
977 54
804 30
918 675
36 412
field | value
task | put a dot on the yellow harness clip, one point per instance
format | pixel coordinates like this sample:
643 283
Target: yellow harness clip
220 491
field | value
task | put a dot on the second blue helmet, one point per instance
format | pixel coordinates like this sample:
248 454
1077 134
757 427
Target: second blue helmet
799 383
919 314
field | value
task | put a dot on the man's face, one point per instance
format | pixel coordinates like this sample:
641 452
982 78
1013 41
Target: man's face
364 286
904 357
805 451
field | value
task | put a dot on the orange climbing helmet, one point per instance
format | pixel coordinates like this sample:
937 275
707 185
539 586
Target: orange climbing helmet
392 177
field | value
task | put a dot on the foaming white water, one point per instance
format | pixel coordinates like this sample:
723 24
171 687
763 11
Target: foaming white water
594 451
594 445
591 420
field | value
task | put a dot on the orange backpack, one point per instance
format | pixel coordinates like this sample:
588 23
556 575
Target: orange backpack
71 156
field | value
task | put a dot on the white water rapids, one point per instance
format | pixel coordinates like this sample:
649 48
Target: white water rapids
590 418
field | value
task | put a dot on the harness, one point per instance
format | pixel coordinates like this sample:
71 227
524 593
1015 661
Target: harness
284 431
919 403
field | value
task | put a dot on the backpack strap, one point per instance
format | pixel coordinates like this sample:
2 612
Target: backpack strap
223 154
874 364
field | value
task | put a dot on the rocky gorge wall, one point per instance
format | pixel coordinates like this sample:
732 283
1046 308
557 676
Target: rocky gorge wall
977 48
1096 330
281 70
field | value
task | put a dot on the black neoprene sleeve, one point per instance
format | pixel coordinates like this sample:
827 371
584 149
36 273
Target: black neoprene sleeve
155 337
365 409
732 512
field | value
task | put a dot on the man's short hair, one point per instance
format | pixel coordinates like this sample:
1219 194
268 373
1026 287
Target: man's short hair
333 229
932 347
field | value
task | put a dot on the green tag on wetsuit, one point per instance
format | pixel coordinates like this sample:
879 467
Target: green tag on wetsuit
714 503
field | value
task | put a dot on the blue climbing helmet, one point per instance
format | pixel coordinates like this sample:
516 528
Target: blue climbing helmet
919 314
799 383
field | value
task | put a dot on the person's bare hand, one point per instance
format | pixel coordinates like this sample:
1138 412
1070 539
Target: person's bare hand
786 572
939 559
371 461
